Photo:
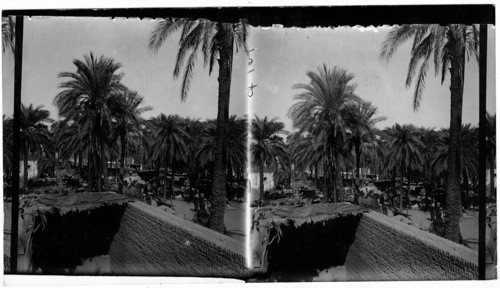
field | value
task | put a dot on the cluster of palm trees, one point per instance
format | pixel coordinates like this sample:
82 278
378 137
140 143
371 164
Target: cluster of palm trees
330 120
331 123
216 41
101 121
334 132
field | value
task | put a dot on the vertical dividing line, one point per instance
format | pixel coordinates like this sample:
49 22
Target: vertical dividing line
248 211
483 36
18 67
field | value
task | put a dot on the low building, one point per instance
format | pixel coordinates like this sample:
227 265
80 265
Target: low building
32 169
254 178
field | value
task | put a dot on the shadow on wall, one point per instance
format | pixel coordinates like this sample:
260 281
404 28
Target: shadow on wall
65 238
305 249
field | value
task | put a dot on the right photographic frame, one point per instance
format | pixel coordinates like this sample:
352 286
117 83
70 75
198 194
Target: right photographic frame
370 156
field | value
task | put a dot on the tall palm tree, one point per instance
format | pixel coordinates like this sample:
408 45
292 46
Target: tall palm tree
491 147
363 132
8 33
169 145
267 146
325 109
448 48
127 124
405 151
92 98
215 40
35 135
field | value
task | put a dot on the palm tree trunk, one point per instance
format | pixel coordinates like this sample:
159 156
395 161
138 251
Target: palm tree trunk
338 189
104 165
325 189
492 175
261 182
453 202
218 200
401 192
98 168
25 168
56 166
122 163
165 178
408 190
90 182
172 181
358 160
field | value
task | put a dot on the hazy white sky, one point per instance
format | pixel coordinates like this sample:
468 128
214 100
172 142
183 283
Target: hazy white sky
283 56
51 44
281 59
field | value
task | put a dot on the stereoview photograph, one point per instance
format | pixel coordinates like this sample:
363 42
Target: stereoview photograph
191 147
364 152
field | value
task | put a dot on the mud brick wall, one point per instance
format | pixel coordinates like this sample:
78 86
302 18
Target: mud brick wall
152 242
385 249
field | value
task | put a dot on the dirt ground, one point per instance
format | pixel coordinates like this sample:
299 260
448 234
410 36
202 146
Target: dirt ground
234 218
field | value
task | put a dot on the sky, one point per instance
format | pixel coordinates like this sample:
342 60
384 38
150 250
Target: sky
51 45
281 58
284 55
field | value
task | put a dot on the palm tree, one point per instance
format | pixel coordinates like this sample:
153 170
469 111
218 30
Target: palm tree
169 144
35 135
405 151
469 154
325 109
307 153
92 98
491 148
364 132
8 33
267 146
215 40
196 132
450 47
430 138
128 124
73 142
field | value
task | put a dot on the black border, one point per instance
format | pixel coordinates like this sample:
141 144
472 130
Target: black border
298 16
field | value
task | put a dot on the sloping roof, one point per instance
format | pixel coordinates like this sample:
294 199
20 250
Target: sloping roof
309 213
79 201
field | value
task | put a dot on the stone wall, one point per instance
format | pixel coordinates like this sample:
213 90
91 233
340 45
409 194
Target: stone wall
385 249
152 242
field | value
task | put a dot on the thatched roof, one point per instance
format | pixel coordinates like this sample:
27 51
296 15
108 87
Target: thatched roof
307 213
65 202
287 240
73 226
